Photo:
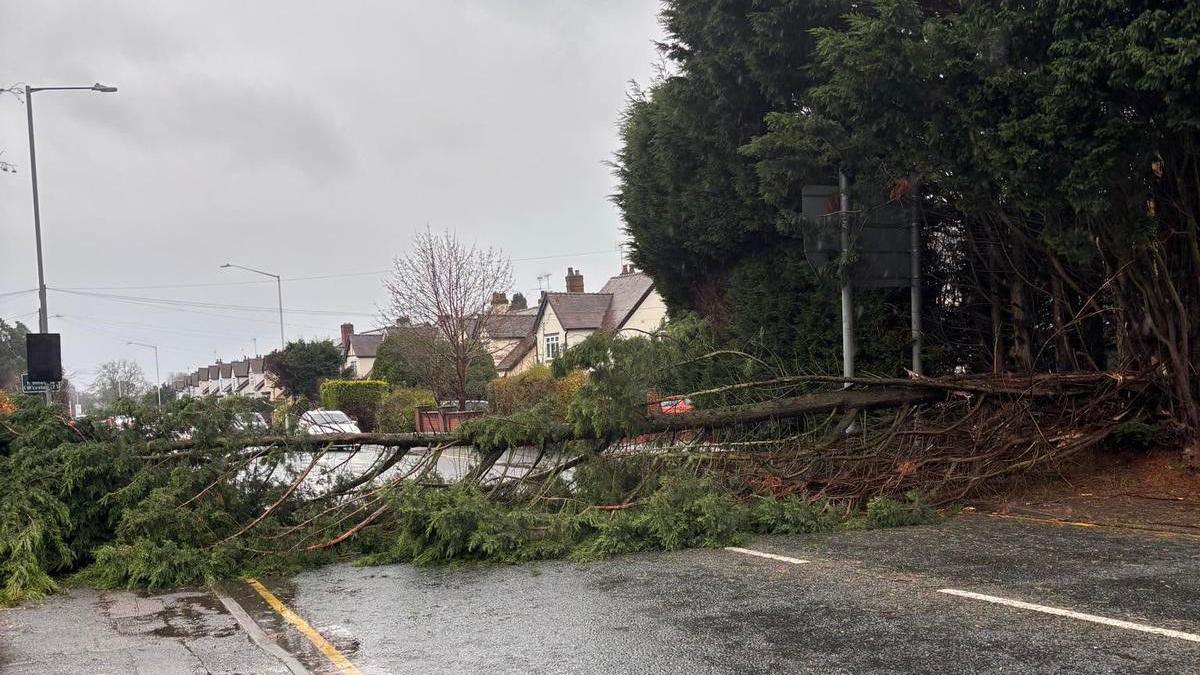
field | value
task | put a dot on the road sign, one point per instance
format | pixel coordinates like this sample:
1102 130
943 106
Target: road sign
34 387
43 354
879 237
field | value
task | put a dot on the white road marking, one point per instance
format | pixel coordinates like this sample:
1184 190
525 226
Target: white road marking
1118 623
762 554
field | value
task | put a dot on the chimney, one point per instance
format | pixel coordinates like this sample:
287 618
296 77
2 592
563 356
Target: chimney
347 331
574 281
499 302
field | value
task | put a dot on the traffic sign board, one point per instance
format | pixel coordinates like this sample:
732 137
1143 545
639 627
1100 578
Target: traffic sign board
29 387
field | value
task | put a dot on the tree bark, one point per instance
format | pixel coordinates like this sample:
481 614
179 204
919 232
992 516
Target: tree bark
313 442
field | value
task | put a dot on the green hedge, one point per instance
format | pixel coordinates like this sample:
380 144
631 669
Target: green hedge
533 387
397 412
357 398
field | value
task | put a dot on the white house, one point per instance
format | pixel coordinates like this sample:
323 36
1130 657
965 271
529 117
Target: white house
627 304
358 350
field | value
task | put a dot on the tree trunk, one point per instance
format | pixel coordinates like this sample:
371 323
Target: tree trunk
1064 355
1022 335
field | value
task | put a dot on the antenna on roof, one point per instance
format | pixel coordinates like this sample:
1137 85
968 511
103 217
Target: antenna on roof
544 281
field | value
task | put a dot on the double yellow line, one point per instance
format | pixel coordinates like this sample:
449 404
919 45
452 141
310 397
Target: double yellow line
326 647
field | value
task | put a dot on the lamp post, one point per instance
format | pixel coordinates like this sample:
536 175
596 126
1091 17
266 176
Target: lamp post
157 377
43 317
278 287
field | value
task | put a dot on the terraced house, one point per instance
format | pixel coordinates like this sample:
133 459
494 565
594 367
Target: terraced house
246 377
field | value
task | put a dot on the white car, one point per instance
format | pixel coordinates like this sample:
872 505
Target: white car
320 421
252 422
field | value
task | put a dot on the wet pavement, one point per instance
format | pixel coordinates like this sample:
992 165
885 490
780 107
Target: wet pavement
84 631
867 602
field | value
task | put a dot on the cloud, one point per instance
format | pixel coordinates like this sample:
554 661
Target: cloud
302 138
249 125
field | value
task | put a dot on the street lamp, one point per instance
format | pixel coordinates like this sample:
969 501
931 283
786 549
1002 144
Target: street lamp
43 317
157 378
278 287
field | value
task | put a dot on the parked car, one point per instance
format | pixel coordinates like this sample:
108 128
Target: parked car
251 421
321 421
119 422
472 406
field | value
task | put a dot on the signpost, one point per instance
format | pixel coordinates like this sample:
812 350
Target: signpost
34 387
885 244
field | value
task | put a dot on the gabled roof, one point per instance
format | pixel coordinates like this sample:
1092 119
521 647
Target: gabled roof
579 310
241 368
628 291
364 345
256 365
242 384
226 370
518 353
214 372
202 374
510 325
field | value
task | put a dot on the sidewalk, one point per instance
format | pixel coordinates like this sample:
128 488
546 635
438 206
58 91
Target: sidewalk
85 631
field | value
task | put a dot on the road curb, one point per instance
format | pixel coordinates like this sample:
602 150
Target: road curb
258 635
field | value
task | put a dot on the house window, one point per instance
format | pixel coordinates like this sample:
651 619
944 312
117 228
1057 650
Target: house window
551 347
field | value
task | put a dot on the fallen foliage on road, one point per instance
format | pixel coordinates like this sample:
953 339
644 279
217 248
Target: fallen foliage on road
182 497
103 507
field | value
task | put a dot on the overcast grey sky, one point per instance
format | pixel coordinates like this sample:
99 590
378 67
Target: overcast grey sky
305 139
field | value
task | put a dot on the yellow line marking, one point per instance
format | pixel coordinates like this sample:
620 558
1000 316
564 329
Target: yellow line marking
335 657
1169 534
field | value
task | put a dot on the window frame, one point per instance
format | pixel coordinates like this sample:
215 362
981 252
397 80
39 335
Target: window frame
546 346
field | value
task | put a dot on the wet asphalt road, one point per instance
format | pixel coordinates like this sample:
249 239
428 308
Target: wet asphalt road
868 602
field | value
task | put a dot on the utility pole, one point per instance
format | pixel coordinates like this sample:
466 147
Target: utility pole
914 240
43 317
847 287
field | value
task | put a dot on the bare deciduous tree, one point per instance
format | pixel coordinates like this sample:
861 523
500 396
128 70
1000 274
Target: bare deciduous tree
118 379
447 283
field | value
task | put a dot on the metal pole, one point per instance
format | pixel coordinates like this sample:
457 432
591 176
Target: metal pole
914 241
279 287
43 317
158 379
847 290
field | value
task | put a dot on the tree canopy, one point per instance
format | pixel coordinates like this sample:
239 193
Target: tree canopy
116 380
1050 150
12 353
301 366
447 284
417 356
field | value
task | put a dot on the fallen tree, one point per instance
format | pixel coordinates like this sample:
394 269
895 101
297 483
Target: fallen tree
123 509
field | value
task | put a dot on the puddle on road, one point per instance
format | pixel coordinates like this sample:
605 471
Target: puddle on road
184 615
